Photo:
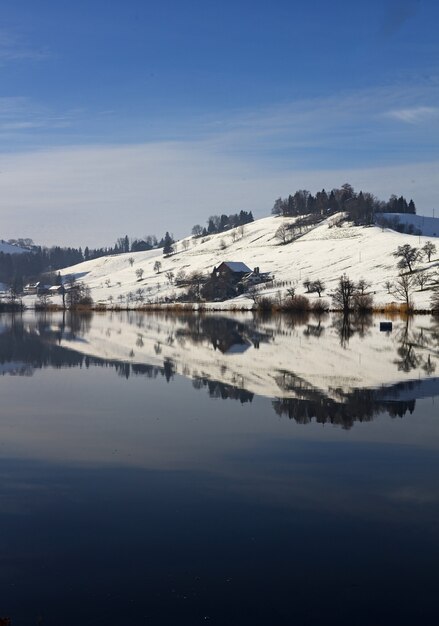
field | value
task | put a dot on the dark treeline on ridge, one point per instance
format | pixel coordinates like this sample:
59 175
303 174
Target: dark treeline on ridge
361 206
221 223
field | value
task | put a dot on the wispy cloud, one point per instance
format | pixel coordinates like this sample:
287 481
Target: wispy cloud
20 116
415 115
14 48
91 195
345 126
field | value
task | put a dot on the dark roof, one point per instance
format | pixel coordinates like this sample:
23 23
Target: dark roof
237 266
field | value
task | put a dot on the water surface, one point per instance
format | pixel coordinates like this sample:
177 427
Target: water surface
217 469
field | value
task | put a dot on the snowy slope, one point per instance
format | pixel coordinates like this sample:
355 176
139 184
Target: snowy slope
8 248
326 252
427 226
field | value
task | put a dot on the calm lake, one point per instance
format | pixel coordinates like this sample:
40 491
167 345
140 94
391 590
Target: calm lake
217 469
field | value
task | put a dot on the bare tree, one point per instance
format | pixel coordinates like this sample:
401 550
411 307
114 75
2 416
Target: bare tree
131 261
343 295
197 230
157 267
422 278
317 286
180 276
408 257
388 285
241 230
170 277
403 289
363 286
307 285
435 302
185 244
196 280
282 234
78 294
234 234
43 300
139 273
429 249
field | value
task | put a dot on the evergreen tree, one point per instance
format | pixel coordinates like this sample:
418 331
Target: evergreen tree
167 244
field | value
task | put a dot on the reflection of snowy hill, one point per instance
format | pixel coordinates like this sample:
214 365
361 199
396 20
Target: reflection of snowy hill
423 388
271 358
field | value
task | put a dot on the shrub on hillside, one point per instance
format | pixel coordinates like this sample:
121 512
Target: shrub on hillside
296 304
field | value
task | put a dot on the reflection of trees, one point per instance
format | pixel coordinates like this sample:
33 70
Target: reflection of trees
27 345
217 389
361 405
314 330
348 325
413 343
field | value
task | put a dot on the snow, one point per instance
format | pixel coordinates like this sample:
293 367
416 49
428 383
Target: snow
427 226
8 248
326 252
236 266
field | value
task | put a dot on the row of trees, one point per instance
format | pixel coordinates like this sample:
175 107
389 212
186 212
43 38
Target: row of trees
361 206
221 223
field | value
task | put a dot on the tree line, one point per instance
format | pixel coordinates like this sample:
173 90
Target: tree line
361 207
221 223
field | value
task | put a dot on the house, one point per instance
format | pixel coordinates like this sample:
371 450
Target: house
256 277
231 270
31 289
56 289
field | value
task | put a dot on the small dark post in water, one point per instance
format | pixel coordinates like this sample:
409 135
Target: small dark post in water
386 326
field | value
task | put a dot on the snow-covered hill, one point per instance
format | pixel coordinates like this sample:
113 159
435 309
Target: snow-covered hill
8 248
326 252
426 226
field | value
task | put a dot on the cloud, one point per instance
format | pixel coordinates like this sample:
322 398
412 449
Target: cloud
415 115
20 116
91 195
13 48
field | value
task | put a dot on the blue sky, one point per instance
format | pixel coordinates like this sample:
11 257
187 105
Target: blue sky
141 117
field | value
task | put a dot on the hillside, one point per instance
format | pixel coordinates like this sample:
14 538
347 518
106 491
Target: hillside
8 248
326 252
426 226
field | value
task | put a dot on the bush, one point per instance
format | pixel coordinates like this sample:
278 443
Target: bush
264 304
363 302
297 303
320 306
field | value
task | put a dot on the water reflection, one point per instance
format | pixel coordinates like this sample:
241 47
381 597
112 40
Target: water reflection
130 495
331 369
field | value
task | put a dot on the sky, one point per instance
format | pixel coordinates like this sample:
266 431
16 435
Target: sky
140 116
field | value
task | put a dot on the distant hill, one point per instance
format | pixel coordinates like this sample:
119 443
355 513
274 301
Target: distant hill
8 248
426 226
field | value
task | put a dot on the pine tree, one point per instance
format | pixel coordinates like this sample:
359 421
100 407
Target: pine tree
167 244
